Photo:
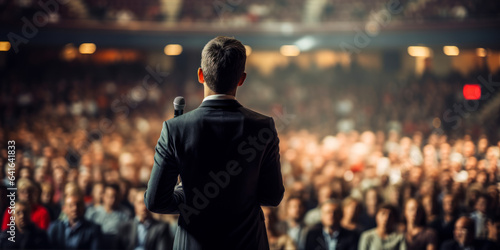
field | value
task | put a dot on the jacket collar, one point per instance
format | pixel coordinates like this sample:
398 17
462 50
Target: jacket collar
220 103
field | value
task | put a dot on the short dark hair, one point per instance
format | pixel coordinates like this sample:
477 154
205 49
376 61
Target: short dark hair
113 186
223 63
392 209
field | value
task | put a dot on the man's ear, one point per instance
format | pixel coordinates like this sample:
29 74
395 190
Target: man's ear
201 78
242 79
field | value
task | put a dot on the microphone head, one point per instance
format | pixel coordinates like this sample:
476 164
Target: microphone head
179 103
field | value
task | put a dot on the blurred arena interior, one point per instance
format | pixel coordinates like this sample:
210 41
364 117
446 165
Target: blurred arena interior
397 96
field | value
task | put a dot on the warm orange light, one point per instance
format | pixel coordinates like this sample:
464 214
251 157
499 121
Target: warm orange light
481 52
87 48
451 50
4 46
289 50
69 52
419 51
173 50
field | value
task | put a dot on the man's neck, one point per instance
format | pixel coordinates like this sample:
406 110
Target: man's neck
208 92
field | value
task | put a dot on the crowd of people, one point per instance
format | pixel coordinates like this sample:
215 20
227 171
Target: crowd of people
363 166
237 12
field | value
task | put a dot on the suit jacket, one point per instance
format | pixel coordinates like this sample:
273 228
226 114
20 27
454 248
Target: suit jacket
228 160
315 240
157 236
87 235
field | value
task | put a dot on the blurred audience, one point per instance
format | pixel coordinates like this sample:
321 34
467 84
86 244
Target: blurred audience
361 137
74 232
24 234
143 231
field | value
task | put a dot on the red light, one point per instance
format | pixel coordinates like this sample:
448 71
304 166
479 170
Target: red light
472 92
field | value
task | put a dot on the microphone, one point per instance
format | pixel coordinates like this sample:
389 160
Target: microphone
179 104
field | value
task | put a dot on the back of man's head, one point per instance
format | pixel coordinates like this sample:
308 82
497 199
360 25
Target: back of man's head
223 63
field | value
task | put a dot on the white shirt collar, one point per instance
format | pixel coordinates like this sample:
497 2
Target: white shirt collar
219 97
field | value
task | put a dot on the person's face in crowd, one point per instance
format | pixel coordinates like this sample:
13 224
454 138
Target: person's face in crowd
73 208
98 193
110 198
84 179
482 145
444 150
463 233
22 217
59 176
471 163
469 149
46 196
331 214
325 193
371 198
415 175
492 154
481 205
384 219
448 204
428 205
40 174
132 195
72 175
140 207
112 176
482 178
27 194
412 211
48 152
295 209
493 192
25 173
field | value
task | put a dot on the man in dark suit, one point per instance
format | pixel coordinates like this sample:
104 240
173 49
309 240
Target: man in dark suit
464 237
329 234
227 157
143 231
74 232
24 234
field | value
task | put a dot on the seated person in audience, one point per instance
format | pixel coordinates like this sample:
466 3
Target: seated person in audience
372 200
26 191
97 194
276 239
313 216
384 236
109 216
46 199
479 216
329 234
294 224
351 210
27 234
464 237
144 232
74 232
445 223
417 234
